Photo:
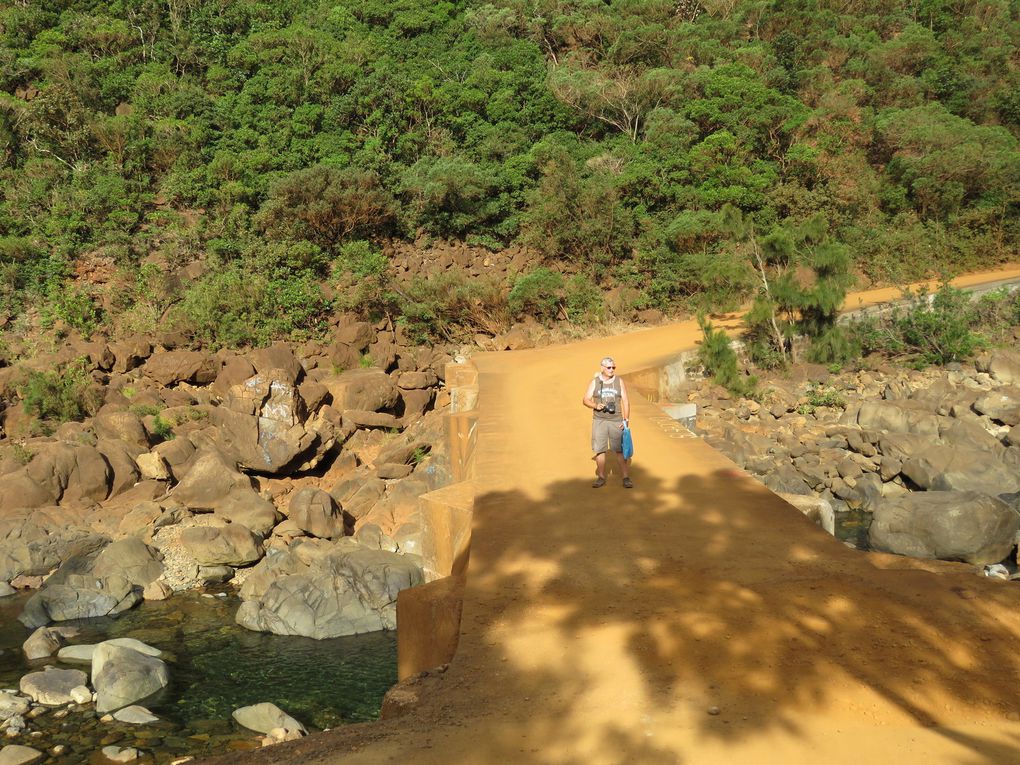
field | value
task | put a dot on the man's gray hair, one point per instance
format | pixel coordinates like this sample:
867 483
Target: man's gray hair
607 360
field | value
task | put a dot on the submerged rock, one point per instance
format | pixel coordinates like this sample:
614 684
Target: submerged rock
266 716
52 687
122 676
15 754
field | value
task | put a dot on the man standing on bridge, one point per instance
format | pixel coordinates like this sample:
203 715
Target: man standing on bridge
607 398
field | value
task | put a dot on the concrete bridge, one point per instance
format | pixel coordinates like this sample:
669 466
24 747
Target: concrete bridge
696 618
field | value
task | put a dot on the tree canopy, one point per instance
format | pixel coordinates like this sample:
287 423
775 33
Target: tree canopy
610 135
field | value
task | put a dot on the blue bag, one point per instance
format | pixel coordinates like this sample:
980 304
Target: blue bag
628 444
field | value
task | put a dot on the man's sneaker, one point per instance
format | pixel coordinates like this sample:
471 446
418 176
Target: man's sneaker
628 484
598 483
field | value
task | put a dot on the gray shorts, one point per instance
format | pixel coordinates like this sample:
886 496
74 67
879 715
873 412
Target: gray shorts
606 436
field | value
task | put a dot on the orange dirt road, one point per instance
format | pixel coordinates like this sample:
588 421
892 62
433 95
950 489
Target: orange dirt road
694 619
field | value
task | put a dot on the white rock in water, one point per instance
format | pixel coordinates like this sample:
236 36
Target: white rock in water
81 694
53 686
12 704
135 714
76 653
14 754
262 718
116 754
15 724
42 643
134 645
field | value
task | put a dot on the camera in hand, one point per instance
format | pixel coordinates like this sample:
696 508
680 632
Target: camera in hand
609 407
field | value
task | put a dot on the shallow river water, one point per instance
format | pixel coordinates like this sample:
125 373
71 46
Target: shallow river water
215 667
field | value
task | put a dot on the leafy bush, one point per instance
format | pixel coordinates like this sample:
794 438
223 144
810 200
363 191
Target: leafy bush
538 293
236 307
835 346
996 314
451 305
820 395
60 396
76 308
720 360
584 301
933 329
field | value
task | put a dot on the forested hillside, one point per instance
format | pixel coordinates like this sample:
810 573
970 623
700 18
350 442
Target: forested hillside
240 168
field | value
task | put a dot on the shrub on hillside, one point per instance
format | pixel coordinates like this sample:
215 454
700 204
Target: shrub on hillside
538 293
236 307
932 329
720 360
61 395
452 305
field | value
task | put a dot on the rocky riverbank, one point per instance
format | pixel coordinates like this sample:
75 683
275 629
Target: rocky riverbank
918 463
292 473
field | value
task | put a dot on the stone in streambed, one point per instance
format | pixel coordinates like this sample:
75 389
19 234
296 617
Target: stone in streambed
15 754
135 715
12 704
122 676
264 717
42 643
116 754
52 687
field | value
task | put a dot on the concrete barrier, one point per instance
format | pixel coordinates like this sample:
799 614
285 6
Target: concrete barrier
428 616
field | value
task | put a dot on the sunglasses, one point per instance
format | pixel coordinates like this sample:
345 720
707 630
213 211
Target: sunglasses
609 366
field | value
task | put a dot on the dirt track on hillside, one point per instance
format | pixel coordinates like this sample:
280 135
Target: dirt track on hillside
602 626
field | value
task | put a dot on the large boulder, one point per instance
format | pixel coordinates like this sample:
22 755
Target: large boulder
121 459
232 545
121 425
90 583
950 525
317 513
123 676
80 596
902 446
246 507
59 472
1002 405
952 468
883 415
12 704
131 559
344 589
277 362
34 542
129 353
209 481
1003 366
42 643
262 426
174 367
52 687
362 389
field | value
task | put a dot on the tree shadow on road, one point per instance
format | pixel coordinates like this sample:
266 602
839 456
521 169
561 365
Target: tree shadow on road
704 592
729 598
